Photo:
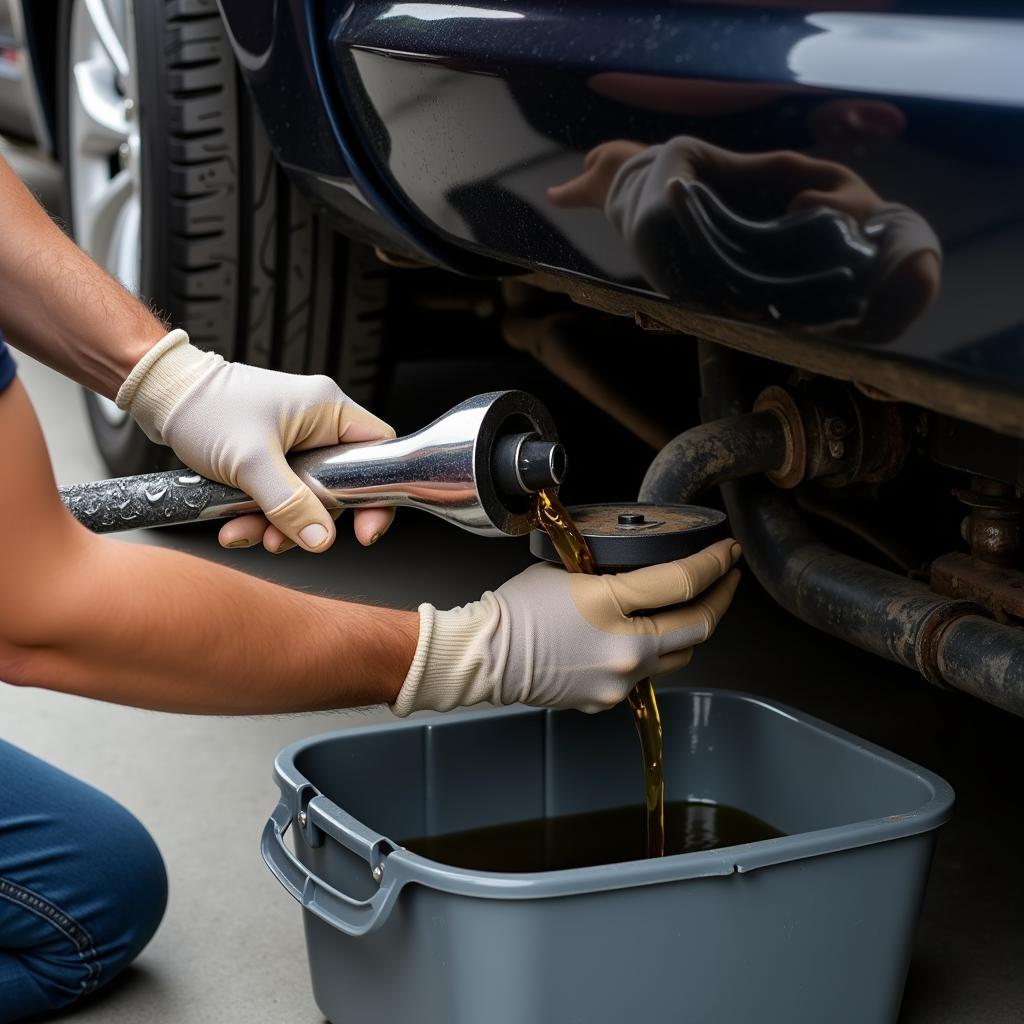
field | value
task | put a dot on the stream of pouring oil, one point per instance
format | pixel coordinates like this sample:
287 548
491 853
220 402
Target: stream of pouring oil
576 557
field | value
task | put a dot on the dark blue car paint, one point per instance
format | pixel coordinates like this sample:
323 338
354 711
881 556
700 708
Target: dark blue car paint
441 125
280 58
272 44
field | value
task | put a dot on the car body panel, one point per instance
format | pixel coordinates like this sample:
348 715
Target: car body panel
473 112
280 58
435 130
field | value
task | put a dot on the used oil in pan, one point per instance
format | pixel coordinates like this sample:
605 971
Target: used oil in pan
585 840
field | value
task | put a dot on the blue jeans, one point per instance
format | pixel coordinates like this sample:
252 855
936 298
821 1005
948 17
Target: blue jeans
82 887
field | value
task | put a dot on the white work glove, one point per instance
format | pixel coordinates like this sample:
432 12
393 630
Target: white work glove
562 640
235 423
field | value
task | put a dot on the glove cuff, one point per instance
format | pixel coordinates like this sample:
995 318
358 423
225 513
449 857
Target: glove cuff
160 379
451 667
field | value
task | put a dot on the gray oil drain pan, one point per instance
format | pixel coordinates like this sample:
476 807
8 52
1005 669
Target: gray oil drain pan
815 927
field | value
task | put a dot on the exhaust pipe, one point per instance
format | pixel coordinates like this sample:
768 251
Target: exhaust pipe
714 453
951 643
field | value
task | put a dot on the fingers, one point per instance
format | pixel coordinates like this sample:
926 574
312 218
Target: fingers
571 193
359 424
301 517
244 531
680 628
277 543
322 414
673 661
855 121
657 586
337 420
370 524
247 531
600 166
355 424
577 191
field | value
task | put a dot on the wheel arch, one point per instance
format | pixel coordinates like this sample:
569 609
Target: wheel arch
40 20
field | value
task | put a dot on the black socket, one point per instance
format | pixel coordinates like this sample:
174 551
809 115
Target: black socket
523 464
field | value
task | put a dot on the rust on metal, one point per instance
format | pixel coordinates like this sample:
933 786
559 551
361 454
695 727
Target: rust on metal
949 640
930 635
992 407
781 404
992 528
835 434
713 453
985 659
888 431
650 323
999 589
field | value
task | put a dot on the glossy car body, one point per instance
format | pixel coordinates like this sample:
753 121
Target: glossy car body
436 130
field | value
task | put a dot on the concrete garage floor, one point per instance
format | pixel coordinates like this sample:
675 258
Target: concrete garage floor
231 947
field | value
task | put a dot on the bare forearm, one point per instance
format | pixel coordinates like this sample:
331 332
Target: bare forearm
152 627
58 305
158 629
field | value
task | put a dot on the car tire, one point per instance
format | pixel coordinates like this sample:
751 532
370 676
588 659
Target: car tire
227 247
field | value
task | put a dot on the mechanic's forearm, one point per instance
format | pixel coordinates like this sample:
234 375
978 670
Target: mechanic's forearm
59 306
158 629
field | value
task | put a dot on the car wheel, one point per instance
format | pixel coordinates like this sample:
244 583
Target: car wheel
173 188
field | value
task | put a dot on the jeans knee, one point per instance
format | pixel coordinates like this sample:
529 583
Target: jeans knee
82 887
87 927
120 900
136 896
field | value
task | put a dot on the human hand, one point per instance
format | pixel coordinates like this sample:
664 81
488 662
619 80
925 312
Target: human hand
600 166
555 639
777 234
236 423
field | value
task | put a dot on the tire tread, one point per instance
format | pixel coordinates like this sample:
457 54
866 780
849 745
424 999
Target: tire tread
240 259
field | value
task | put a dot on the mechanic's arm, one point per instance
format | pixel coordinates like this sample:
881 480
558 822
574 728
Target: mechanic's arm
155 628
59 306
230 422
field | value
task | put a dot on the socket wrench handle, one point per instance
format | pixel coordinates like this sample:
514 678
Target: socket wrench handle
452 468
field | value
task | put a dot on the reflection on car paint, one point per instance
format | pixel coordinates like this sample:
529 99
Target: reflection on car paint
777 236
455 123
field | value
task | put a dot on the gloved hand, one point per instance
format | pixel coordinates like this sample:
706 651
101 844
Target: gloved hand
235 423
556 639
820 247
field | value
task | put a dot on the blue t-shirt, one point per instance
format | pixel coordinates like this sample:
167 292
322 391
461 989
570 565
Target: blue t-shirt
6 365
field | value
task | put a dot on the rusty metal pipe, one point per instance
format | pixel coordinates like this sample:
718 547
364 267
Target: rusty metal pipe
877 610
947 641
985 659
872 608
712 453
